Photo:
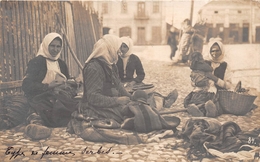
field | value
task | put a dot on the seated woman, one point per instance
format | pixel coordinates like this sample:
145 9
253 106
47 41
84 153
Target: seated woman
47 89
105 101
128 63
103 95
201 103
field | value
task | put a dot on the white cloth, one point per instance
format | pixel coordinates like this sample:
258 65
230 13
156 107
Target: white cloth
44 47
53 72
53 68
234 156
105 49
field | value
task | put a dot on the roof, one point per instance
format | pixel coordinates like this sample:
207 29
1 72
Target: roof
227 3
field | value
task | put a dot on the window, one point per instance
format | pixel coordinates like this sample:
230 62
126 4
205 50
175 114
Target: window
233 33
156 6
141 9
141 36
123 7
125 31
104 8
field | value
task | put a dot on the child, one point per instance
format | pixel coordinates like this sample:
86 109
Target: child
199 69
201 83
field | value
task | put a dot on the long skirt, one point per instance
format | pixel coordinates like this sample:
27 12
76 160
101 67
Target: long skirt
200 98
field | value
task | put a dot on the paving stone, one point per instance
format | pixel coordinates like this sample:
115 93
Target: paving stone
91 159
125 157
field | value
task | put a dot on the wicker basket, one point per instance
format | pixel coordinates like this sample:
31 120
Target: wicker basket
235 103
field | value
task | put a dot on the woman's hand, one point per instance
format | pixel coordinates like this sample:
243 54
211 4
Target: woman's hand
123 100
212 77
55 83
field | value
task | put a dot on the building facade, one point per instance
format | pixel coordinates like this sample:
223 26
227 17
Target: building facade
143 21
234 21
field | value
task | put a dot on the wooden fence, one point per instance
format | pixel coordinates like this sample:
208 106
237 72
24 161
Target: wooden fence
23 24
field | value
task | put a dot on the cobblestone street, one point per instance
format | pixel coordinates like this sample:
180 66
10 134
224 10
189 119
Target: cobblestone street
165 78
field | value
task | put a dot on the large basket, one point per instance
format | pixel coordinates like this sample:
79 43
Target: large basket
235 103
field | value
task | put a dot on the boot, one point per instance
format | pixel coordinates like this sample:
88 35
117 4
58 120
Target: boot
37 132
193 110
170 99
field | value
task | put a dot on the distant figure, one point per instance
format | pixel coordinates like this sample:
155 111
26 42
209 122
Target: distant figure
185 41
172 41
111 31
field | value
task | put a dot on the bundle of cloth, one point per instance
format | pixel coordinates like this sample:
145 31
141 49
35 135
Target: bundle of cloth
13 111
142 124
209 138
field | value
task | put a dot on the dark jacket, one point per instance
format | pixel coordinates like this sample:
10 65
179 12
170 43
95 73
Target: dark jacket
36 70
133 65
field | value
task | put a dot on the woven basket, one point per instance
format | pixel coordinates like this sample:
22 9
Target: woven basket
235 103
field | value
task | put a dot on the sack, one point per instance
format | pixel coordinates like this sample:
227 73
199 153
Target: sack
55 106
111 136
13 111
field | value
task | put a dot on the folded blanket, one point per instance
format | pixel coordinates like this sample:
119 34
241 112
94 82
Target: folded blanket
207 135
147 119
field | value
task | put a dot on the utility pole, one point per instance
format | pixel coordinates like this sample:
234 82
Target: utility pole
191 11
251 24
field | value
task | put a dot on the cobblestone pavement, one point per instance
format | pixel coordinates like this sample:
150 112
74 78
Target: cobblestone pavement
165 78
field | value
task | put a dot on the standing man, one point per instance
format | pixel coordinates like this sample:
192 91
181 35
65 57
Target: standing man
172 41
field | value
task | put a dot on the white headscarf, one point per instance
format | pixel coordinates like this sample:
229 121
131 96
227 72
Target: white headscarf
215 62
44 47
129 42
53 68
212 41
105 49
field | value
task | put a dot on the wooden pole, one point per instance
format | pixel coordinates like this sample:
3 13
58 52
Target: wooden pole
191 11
92 24
67 40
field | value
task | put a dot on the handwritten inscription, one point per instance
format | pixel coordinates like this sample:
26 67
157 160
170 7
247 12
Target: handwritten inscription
99 151
14 153
47 152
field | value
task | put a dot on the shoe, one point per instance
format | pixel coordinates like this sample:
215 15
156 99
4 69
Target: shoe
170 99
238 87
211 109
193 110
37 132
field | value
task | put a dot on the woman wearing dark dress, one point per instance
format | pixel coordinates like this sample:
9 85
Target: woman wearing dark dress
201 103
129 65
46 86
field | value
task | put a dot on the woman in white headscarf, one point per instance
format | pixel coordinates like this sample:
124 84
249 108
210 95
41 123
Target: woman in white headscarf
200 103
49 94
129 64
103 95
46 70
